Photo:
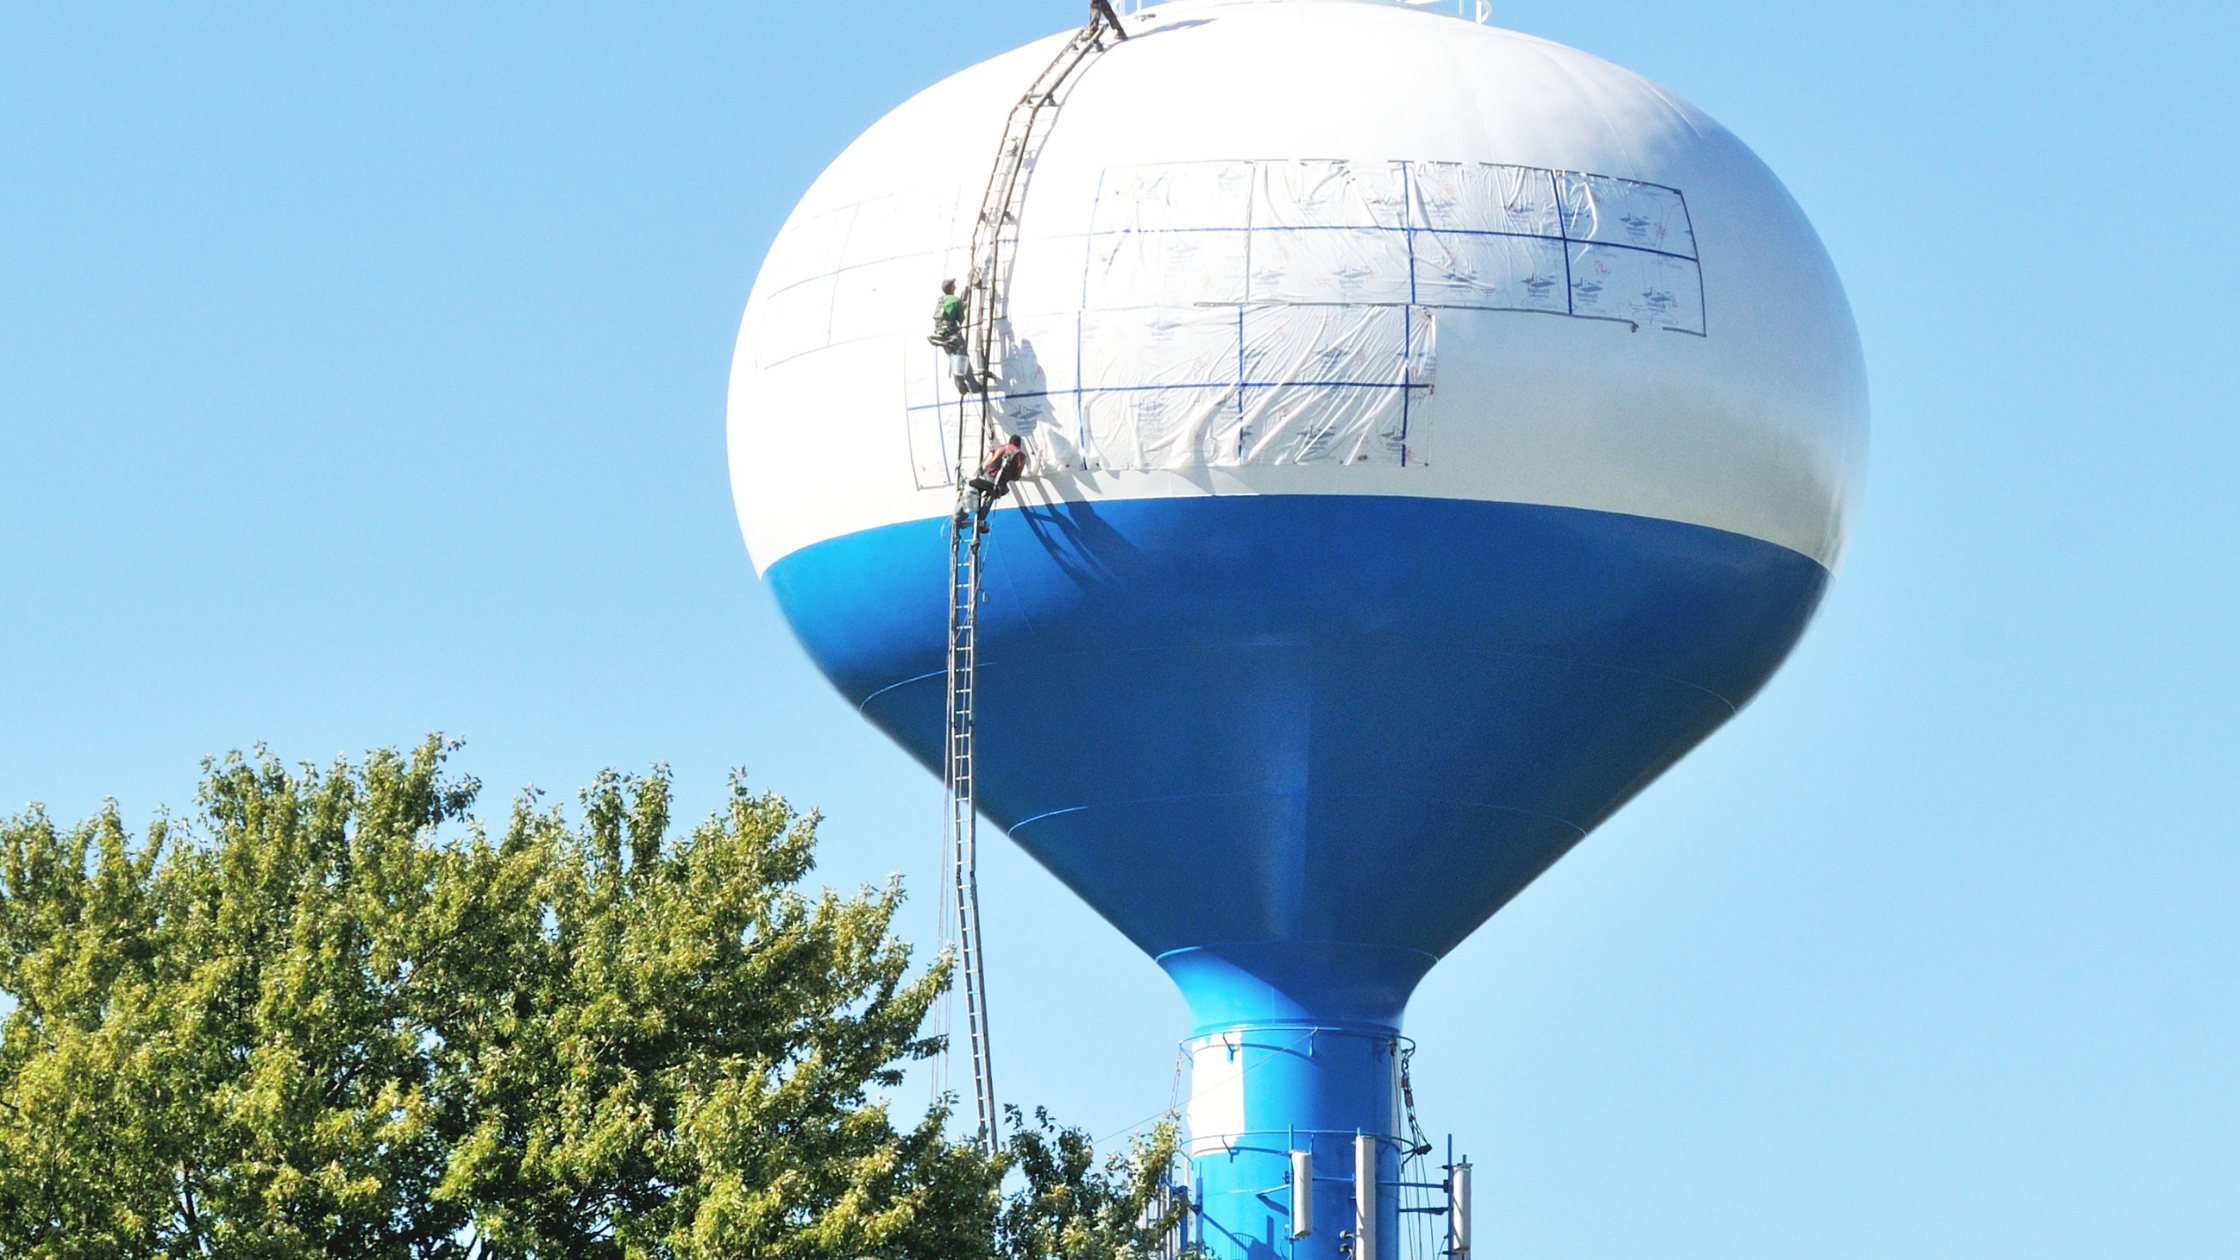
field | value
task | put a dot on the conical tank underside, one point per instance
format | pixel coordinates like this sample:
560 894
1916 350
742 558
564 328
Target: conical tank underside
1322 736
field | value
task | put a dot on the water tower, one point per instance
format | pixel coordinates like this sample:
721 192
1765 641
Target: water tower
1436 432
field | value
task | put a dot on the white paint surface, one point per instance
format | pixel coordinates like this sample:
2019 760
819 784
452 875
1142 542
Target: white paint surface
1758 426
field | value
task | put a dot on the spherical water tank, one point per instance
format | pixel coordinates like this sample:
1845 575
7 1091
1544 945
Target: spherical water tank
1437 431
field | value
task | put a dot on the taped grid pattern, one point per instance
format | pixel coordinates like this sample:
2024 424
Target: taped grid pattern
1202 386
1441 234
1240 312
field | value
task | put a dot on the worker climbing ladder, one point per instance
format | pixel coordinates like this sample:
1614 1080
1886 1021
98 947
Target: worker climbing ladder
993 234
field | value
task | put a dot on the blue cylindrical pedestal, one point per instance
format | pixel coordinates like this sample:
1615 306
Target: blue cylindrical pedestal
1262 1091
1296 1048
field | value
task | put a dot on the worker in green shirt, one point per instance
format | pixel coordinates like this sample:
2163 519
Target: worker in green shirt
948 319
948 333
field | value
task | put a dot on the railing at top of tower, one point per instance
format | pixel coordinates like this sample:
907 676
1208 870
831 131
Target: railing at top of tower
1479 11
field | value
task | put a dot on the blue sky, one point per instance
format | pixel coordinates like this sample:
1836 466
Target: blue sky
362 374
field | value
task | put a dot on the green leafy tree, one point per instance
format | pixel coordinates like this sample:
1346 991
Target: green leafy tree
213 1047
1070 1207
85 1056
668 1049
343 1020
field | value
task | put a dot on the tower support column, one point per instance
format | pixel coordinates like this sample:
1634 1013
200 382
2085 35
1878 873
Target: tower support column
1260 1092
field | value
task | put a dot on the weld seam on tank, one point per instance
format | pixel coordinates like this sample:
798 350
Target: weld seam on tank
1463 802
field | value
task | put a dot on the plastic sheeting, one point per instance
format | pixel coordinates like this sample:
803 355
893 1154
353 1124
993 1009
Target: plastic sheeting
1284 312
1335 384
1263 384
1442 234
1202 386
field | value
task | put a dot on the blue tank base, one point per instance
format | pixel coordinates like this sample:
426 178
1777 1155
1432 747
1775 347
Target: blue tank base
1302 720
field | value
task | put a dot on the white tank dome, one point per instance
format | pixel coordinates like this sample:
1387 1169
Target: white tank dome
1316 247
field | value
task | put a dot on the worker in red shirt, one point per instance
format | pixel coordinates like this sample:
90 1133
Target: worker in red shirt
992 483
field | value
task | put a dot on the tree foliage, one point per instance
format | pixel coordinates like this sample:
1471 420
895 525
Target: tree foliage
213 1046
1068 1207
344 1020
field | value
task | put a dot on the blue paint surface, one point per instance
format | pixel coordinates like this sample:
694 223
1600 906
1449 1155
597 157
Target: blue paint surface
1317 739
1327 1087
1298 747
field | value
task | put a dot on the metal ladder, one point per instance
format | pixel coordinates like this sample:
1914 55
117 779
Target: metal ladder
996 226
960 839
